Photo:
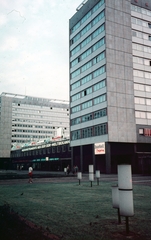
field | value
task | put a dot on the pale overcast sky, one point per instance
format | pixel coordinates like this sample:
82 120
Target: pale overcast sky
34 47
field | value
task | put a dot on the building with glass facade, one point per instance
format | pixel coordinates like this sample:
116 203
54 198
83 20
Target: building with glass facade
26 119
110 84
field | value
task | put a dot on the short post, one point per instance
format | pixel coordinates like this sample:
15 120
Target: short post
91 174
65 171
97 176
119 217
115 201
79 176
127 225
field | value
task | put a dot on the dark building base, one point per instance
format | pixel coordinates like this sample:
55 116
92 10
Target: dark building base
138 155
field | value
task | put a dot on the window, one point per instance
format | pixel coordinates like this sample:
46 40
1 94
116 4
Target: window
85 29
75 73
85 17
139 87
75 85
87 132
99 58
99 85
75 121
98 44
86 104
86 79
98 31
148 88
75 27
98 18
100 113
75 97
76 109
63 148
76 38
75 135
148 102
74 62
86 41
99 71
140 114
87 91
75 50
86 66
139 100
86 53
87 117
100 129
99 99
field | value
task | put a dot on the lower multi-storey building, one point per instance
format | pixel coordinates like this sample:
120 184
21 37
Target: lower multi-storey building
50 156
25 119
110 84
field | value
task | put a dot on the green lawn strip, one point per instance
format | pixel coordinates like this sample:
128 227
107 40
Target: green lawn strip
78 212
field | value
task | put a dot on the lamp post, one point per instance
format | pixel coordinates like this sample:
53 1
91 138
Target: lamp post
91 174
97 173
79 176
125 192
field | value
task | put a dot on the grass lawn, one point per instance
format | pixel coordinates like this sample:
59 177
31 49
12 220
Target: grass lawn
79 212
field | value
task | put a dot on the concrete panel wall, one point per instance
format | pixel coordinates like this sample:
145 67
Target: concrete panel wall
119 68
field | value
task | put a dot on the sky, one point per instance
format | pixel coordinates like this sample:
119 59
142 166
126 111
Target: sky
34 47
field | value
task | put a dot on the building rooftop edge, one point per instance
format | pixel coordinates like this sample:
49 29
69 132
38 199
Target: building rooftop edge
13 95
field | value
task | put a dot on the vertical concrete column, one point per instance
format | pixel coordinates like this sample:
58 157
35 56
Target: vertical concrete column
81 158
72 150
93 157
108 157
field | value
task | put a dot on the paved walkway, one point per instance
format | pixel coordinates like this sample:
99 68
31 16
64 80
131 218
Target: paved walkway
17 177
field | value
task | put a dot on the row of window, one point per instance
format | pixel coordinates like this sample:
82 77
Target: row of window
89 64
28 108
84 43
140 22
89 51
57 149
142 61
145 101
141 87
94 9
89 103
141 48
88 78
31 131
90 116
141 35
38 105
140 10
32 126
57 118
31 121
142 74
146 115
88 27
89 90
97 130
27 137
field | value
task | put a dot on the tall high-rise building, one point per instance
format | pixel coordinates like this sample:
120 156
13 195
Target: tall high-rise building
110 84
26 119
